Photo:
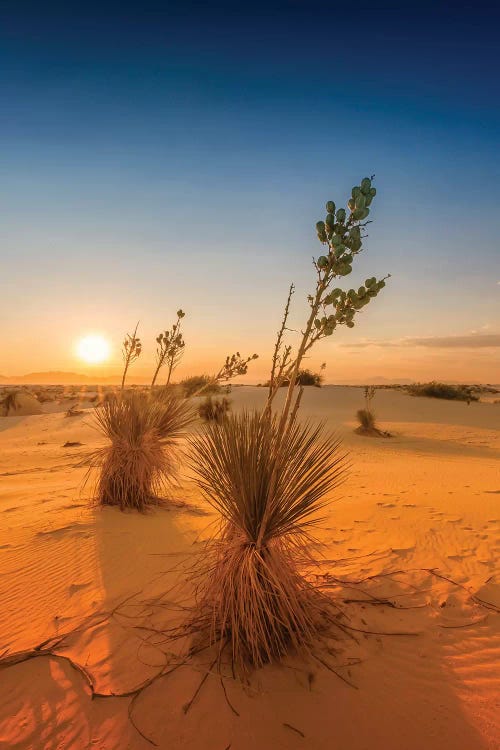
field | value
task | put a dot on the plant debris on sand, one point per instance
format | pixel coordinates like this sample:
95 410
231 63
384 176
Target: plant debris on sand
141 456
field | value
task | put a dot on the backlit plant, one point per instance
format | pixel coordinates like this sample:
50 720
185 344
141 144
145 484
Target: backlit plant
268 477
170 348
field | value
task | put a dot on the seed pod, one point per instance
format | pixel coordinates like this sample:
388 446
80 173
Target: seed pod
322 261
322 237
320 226
366 184
330 207
373 192
336 240
355 191
349 324
341 215
358 213
330 220
381 284
360 201
361 291
351 204
317 323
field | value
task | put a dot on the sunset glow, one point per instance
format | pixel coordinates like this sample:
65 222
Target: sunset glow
93 349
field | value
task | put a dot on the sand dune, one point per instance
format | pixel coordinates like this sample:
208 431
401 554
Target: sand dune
426 499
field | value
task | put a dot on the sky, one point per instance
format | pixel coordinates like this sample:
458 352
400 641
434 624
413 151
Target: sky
165 155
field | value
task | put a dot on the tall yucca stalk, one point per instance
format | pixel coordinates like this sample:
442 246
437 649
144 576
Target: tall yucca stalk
268 476
255 596
140 459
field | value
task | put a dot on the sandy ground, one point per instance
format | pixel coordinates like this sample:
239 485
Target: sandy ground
427 498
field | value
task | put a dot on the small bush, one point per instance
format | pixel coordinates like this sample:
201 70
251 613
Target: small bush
197 383
305 377
139 459
270 490
366 419
10 402
214 410
443 390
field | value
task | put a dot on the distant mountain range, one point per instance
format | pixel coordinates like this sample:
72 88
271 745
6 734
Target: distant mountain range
69 378
73 378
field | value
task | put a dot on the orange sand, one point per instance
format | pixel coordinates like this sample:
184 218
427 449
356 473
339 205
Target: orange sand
427 498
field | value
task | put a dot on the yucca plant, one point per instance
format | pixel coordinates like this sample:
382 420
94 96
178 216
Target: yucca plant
268 489
268 477
366 416
140 460
366 420
10 402
144 429
214 409
170 349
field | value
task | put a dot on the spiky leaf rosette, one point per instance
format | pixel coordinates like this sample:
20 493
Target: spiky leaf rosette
269 489
140 459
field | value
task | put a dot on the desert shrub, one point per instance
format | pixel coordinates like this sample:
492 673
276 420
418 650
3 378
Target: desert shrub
304 377
366 419
214 410
140 459
199 384
170 348
266 487
443 390
10 402
268 476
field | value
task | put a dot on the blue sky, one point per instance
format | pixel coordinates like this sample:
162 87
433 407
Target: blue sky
179 154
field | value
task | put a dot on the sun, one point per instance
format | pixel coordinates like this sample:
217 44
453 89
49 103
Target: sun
93 349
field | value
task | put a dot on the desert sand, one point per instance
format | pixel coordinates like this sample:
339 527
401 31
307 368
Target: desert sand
427 499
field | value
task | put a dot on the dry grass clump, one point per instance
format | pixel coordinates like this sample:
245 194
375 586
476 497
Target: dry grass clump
366 419
268 488
214 410
443 390
140 458
199 384
10 402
